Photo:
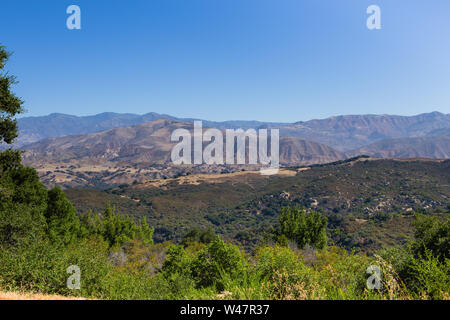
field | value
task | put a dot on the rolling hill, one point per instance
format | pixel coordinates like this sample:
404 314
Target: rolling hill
150 143
437 147
141 152
343 133
111 149
369 202
33 129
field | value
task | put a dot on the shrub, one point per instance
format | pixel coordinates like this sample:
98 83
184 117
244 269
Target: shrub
62 223
433 276
303 228
270 261
116 228
432 235
342 274
42 267
214 261
177 261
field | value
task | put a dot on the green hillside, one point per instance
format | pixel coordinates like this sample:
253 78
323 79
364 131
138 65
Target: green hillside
368 203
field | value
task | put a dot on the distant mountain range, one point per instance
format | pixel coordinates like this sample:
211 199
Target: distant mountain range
346 133
110 149
343 133
33 129
437 147
150 143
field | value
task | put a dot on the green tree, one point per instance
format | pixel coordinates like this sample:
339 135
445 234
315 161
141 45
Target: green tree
10 104
9 159
62 222
23 200
20 225
216 260
432 234
22 195
303 228
177 262
145 232
424 264
116 228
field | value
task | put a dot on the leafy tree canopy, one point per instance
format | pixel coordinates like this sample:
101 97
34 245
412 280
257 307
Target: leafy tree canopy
303 228
10 104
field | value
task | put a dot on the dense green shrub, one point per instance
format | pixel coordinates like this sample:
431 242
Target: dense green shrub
20 225
42 267
302 227
432 234
342 274
270 261
178 261
215 260
432 276
62 222
423 264
115 227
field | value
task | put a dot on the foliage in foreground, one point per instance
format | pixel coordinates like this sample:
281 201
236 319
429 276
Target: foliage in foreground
219 270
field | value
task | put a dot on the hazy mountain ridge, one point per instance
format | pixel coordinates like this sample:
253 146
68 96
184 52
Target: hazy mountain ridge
150 143
344 133
437 147
141 152
33 129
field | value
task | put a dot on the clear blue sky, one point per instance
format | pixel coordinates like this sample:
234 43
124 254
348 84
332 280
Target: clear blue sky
277 60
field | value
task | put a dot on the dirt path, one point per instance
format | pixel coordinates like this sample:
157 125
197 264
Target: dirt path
33 296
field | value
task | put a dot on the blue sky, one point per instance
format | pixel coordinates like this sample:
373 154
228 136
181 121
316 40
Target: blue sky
268 60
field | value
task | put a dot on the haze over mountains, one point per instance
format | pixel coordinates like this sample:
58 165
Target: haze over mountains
344 133
353 133
33 129
437 147
150 143
114 148
350 132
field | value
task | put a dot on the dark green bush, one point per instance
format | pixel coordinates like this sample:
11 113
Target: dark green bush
302 227
217 259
